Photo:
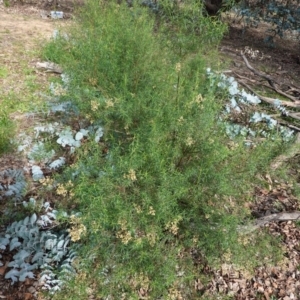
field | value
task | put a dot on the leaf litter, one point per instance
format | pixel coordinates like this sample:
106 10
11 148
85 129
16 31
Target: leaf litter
281 281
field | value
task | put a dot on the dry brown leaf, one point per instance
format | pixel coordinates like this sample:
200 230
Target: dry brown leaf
2 270
266 295
28 296
198 285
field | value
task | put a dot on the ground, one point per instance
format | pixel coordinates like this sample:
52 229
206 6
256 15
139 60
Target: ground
22 29
281 62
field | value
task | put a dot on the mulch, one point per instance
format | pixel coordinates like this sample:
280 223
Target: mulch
280 282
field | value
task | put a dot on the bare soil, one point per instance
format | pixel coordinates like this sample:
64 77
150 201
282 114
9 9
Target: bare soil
22 30
281 62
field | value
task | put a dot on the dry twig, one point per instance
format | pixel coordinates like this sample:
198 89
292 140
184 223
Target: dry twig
272 100
260 222
280 217
270 80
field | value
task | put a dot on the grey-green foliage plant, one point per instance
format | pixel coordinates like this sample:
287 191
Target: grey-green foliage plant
270 127
37 246
282 15
39 155
12 184
37 173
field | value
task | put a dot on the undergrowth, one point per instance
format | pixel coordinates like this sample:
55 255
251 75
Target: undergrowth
164 179
7 129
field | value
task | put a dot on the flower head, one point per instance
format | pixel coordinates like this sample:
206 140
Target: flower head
131 175
178 67
189 141
109 103
94 105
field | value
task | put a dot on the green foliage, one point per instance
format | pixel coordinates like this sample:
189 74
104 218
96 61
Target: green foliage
247 247
6 132
157 184
186 24
6 3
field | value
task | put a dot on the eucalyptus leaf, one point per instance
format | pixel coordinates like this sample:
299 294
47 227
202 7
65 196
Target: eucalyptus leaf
24 274
33 219
57 163
37 173
78 136
14 244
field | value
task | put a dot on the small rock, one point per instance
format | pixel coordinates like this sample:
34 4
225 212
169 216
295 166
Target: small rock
31 290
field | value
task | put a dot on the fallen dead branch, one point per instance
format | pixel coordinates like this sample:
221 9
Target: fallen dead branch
244 77
270 87
267 77
293 90
281 92
279 217
49 67
260 222
294 116
272 82
272 101
290 126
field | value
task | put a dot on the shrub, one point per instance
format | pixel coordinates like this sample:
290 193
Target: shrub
163 169
6 132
